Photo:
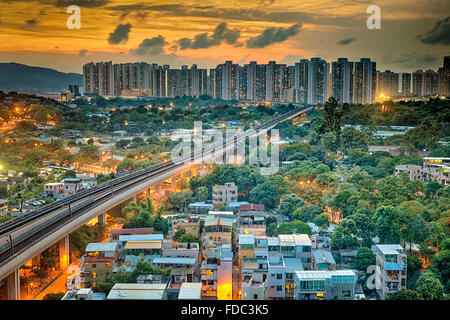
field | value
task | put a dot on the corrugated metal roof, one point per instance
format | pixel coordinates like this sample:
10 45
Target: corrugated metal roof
323 256
144 244
246 238
137 291
101 246
190 291
141 237
174 260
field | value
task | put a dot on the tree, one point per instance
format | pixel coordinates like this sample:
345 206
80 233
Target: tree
441 266
322 220
429 286
405 295
142 214
54 296
414 266
202 194
388 221
121 144
179 200
266 194
364 258
289 204
344 236
352 138
295 226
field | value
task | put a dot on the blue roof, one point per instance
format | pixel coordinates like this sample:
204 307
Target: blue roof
173 260
141 237
293 264
323 256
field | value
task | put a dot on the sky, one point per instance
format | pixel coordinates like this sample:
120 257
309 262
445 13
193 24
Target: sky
414 33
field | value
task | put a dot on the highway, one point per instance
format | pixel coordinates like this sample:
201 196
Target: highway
19 234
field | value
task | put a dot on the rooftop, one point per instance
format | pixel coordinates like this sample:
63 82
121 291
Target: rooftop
390 248
246 238
101 246
137 291
190 291
323 256
141 237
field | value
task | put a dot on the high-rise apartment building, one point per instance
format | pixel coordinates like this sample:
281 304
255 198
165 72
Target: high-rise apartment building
388 83
364 81
406 84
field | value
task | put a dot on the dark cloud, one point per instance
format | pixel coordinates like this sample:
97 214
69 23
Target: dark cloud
203 40
82 52
273 35
440 34
31 22
179 10
345 41
120 34
153 46
66 3
409 60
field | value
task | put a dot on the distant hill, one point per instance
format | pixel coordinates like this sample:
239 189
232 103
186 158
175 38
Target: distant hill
23 78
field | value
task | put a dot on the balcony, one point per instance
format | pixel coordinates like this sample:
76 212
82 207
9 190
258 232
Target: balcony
393 266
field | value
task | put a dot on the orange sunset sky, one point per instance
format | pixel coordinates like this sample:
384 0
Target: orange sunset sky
414 33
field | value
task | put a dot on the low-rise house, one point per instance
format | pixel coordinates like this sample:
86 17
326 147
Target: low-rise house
325 285
391 262
224 194
251 221
323 260
115 233
123 239
347 255
218 231
99 259
191 225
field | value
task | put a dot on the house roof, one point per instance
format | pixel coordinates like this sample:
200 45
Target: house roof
153 244
190 291
323 256
141 237
131 231
101 246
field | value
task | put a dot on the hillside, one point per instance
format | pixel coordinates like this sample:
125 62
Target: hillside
23 78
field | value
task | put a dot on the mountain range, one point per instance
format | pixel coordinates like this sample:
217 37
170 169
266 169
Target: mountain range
29 79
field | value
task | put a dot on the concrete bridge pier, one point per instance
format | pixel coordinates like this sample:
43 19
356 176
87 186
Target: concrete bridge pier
13 285
102 218
159 191
64 253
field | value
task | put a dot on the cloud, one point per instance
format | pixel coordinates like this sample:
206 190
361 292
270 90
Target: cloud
410 60
82 52
66 3
273 35
120 35
153 46
440 34
31 22
203 40
345 41
291 59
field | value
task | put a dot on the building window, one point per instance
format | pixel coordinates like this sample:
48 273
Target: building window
255 296
279 288
279 276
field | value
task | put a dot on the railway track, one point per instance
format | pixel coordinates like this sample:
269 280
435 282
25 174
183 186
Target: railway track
18 234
